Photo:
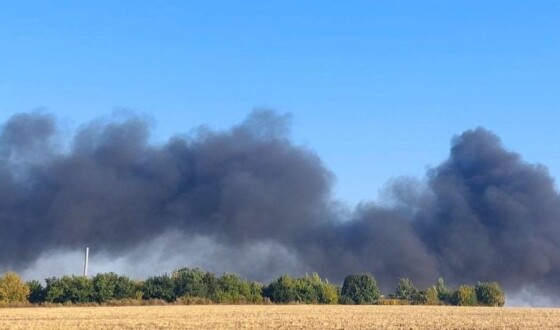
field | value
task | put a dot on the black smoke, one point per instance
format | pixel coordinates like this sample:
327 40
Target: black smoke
483 214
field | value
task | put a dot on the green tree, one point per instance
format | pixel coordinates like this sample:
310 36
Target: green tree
159 287
406 290
464 296
311 289
81 289
444 294
211 284
12 288
110 286
125 288
55 290
325 292
490 294
104 286
234 289
75 289
432 297
359 289
36 292
190 282
426 297
281 290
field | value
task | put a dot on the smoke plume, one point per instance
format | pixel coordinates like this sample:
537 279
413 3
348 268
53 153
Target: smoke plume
250 194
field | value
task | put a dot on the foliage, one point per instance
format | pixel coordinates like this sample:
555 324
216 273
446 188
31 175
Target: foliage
281 291
490 294
110 286
444 294
37 292
359 289
211 283
190 282
194 286
125 288
432 298
464 296
159 287
12 288
406 290
426 297
74 289
313 290
233 289
310 289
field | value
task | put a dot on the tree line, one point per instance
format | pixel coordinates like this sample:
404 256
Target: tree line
195 286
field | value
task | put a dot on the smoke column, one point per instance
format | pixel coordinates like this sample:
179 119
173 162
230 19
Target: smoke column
483 214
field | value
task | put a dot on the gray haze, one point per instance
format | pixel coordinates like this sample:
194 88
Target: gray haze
249 200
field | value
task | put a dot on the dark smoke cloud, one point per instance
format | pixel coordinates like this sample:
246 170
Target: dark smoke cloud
494 216
483 214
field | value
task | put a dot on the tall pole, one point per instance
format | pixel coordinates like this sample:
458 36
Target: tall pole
86 261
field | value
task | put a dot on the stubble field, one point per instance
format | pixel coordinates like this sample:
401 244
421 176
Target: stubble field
279 317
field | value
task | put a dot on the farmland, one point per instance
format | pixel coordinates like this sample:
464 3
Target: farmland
278 317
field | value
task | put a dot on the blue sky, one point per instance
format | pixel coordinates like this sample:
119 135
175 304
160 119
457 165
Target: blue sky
376 88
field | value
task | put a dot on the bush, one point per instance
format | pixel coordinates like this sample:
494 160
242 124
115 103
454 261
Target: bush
359 289
159 287
110 286
313 290
193 286
69 289
426 297
281 291
464 296
308 289
13 289
104 286
432 298
190 282
490 294
37 293
444 294
232 289
406 290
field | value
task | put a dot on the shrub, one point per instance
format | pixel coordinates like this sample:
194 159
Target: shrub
13 289
104 286
310 289
359 289
464 296
110 286
159 287
69 289
406 290
432 297
490 294
232 289
281 291
444 294
313 290
190 282
36 292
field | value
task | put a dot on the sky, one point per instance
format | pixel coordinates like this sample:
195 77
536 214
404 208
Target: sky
376 88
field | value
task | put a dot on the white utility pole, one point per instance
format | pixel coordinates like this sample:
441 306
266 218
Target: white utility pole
86 261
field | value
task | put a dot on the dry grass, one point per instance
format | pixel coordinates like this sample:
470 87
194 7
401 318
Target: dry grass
279 317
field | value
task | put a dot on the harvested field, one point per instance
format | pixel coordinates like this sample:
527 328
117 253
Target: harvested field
279 317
